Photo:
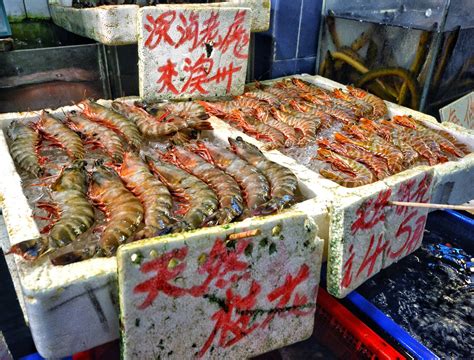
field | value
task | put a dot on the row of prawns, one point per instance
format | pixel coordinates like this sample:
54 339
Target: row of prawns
140 191
290 112
359 146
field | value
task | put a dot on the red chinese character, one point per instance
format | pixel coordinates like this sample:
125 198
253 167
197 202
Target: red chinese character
223 73
371 259
232 330
371 212
220 262
189 30
163 275
159 29
413 238
285 292
209 31
168 71
198 74
237 36
347 279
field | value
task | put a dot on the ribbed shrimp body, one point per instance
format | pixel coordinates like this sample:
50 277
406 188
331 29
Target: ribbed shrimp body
123 210
219 108
376 145
98 135
263 115
283 183
302 122
376 164
202 201
226 188
275 138
379 108
344 171
55 131
153 127
112 120
23 147
253 183
263 96
75 213
153 194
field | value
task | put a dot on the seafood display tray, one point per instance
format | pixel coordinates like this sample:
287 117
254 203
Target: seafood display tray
75 307
117 24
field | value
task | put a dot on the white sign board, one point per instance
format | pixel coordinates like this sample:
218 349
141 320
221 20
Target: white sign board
460 112
192 52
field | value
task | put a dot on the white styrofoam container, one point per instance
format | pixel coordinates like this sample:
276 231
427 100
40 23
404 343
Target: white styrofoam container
74 307
117 24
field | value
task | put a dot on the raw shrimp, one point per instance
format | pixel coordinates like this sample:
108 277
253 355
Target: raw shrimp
55 131
201 200
283 183
263 96
227 190
24 147
379 108
304 123
153 127
373 162
112 120
219 108
153 194
70 208
275 138
253 183
98 135
263 115
376 145
123 210
344 171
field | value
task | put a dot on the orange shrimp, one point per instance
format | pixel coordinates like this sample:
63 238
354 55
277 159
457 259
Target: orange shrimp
201 200
342 114
253 183
153 194
219 108
373 162
361 108
325 119
261 131
306 124
283 183
55 131
264 96
98 135
263 115
444 142
344 171
377 146
152 127
123 210
227 190
379 108
107 117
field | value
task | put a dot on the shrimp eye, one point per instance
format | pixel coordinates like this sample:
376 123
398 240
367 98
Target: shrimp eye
239 138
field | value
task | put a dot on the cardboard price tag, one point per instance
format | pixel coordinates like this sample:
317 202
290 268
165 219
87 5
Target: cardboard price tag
193 52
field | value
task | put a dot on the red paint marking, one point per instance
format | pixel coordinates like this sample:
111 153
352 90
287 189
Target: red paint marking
413 238
160 282
159 28
232 330
347 279
370 258
209 33
168 71
371 212
236 36
189 30
198 74
223 73
223 268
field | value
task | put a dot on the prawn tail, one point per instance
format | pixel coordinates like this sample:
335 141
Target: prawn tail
274 205
31 249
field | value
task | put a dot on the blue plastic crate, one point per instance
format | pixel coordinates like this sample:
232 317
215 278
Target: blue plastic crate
454 225
5 29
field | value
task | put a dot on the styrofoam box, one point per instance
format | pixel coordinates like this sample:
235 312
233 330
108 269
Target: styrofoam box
74 307
117 24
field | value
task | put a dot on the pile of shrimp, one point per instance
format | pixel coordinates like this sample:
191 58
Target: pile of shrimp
347 135
122 174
